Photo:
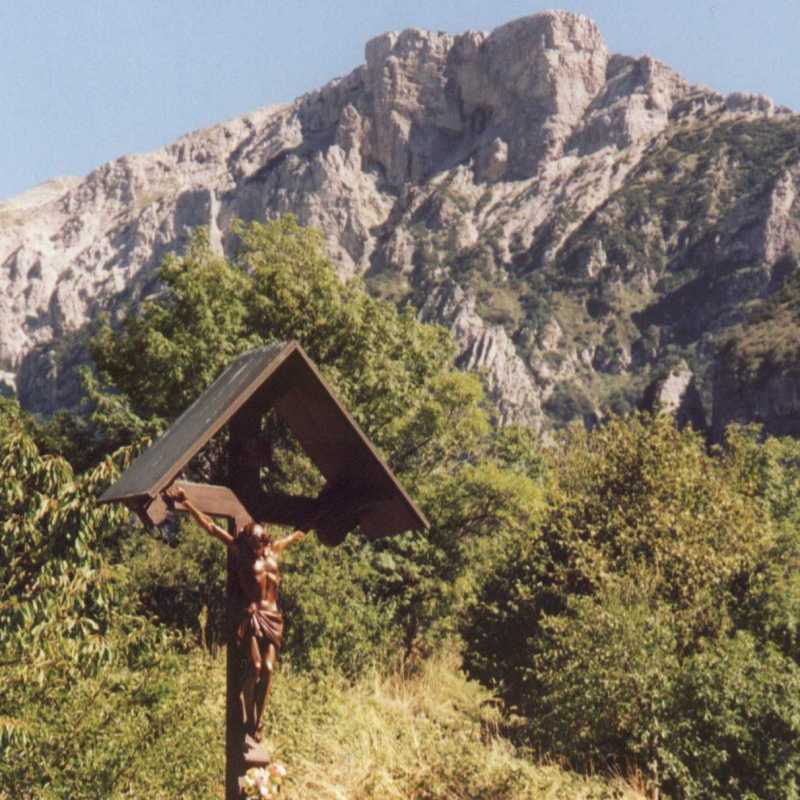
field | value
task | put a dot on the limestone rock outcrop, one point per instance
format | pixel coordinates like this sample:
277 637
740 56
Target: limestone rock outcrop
511 185
676 394
486 349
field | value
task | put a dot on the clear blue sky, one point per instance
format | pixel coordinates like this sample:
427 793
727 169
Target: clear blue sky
85 81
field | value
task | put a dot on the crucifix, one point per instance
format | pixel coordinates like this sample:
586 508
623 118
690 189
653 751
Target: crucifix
360 491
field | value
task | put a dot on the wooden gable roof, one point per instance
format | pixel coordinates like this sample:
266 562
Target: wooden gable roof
280 377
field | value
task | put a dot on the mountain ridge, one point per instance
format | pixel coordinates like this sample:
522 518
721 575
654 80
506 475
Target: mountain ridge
545 199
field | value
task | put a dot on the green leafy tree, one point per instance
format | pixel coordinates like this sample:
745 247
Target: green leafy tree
279 287
394 373
98 618
65 617
59 598
652 555
768 596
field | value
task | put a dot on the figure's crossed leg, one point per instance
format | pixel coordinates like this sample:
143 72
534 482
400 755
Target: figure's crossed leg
264 685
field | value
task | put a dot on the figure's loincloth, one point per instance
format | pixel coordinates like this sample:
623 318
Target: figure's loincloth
263 623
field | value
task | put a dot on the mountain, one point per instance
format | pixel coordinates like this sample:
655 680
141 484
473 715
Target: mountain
582 221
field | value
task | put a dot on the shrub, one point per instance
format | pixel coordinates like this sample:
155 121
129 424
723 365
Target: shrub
500 306
736 723
605 671
609 629
336 620
568 402
180 583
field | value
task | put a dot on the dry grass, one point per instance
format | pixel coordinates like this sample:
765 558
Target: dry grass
433 735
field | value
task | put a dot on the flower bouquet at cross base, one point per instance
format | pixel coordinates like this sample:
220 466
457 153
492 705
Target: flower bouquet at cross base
263 783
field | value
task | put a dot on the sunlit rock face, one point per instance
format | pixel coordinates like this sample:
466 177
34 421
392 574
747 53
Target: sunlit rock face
573 216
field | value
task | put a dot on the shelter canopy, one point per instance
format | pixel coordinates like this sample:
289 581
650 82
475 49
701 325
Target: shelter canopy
360 487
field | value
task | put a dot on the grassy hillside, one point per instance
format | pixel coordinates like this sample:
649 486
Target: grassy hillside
429 735
627 597
159 733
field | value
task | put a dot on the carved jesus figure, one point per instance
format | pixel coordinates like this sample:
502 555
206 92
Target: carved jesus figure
260 629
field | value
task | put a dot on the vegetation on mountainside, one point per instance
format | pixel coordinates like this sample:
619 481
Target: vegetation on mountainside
393 372
349 607
61 607
770 341
71 631
652 273
632 599
691 184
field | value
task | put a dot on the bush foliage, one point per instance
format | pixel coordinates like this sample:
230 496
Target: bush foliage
651 621
86 594
632 597
392 371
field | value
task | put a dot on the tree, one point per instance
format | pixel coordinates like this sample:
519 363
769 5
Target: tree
393 372
99 619
58 592
64 614
607 630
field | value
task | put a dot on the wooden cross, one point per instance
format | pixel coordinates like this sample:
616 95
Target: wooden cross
360 490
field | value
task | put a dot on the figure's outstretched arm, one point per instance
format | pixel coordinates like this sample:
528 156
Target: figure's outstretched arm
208 525
282 544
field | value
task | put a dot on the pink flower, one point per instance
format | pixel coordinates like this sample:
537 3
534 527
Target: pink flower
277 770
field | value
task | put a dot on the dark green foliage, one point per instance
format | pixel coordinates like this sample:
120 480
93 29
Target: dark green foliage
280 287
149 732
736 724
116 611
657 564
179 343
768 342
620 402
720 722
632 596
103 423
181 582
500 306
769 595
389 285
568 402
60 598
68 627
391 371
605 666
336 619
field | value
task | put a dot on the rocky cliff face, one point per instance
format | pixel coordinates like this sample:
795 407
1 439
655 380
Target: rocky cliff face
773 403
574 217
